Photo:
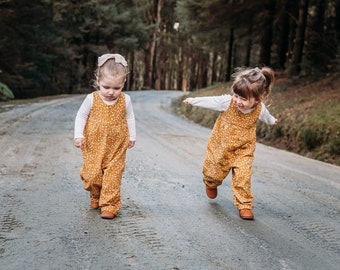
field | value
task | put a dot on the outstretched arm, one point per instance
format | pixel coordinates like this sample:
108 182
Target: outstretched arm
217 103
266 117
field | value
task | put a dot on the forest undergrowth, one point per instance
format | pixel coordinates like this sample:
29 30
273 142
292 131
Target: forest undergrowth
308 110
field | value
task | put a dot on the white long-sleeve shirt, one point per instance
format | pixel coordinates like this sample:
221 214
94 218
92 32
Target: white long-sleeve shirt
222 103
84 111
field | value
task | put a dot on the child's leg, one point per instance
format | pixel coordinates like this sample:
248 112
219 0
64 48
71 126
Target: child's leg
241 186
92 181
216 166
214 173
110 197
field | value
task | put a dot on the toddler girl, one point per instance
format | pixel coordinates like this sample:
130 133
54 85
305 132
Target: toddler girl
233 139
104 130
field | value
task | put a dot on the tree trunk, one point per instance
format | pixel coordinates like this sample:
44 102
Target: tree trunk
267 33
230 53
193 71
249 45
183 75
330 41
295 67
283 33
155 16
210 69
315 58
130 78
215 68
293 18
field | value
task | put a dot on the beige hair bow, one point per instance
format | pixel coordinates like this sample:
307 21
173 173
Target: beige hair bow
117 57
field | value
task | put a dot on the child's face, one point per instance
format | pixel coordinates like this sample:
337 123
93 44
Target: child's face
244 104
111 86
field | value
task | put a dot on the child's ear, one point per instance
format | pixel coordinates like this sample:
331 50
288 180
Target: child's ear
257 101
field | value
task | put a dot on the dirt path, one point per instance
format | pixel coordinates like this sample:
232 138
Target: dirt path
166 221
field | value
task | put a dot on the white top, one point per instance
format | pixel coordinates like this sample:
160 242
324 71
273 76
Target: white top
222 103
85 108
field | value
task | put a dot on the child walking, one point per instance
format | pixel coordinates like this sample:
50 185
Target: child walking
104 130
232 142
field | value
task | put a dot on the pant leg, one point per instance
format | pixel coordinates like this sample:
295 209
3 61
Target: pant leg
241 185
110 196
214 173
217 159
92 180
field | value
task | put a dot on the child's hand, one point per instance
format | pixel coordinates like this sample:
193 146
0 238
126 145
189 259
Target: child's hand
79 142
131 144
186 101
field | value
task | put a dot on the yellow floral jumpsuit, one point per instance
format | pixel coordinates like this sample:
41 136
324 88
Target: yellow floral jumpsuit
104 154
231 146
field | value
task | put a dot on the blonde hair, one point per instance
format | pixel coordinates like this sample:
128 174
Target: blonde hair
110 64
253 82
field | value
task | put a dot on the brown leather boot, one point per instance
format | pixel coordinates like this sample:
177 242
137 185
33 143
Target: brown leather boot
246 214
94 205
107 215
211 192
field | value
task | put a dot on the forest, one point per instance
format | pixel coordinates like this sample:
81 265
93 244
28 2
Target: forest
51 47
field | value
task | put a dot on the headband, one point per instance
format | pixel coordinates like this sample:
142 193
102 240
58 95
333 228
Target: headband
117 57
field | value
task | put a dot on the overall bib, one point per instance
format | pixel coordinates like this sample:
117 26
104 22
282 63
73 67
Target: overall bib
104 154
231 146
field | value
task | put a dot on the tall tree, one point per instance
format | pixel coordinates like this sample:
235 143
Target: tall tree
27 47
50 47
315 57
97 27
281 29
152 18
267 33
331 34
296 62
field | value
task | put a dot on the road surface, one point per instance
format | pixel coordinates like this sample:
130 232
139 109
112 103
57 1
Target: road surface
166 221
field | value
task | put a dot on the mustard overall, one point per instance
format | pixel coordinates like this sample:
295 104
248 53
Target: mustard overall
231 146
106 140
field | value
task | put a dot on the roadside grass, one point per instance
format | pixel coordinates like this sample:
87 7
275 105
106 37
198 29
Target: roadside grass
308 113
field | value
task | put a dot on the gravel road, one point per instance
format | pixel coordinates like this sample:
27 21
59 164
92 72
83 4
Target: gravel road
166 221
